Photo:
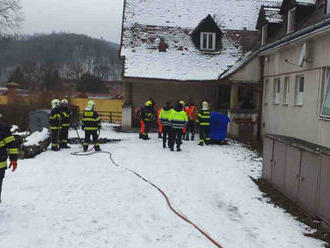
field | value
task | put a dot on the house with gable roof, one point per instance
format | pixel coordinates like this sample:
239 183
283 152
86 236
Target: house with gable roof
295 70
177 50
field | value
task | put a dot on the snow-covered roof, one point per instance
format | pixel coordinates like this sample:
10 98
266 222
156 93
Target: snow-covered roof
146 21
272 15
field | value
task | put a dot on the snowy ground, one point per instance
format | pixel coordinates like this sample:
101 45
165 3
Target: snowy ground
57 200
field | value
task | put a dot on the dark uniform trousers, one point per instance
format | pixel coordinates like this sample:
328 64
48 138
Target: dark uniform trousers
190 129
175 137
88 135
2 175
166 134
204 134
64 134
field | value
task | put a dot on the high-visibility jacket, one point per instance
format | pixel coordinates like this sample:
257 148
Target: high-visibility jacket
178 119
91 120
204 118
192 112
147 114
165 115
55 119
8 146
66 114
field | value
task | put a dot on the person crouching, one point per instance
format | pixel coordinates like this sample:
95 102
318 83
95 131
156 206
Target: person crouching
91 125
178 120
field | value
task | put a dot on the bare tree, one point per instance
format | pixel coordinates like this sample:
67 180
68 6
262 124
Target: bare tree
10 15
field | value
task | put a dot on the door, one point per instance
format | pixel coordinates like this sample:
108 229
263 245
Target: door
292 175
268 157
279 165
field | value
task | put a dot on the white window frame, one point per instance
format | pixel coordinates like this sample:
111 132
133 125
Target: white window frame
264 34
277 91
299 95
326 92
291 21
208 41
266 89
286 90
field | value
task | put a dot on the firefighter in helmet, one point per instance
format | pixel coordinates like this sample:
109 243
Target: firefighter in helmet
146 118
91 124
8 147
64 133
55 122
204 118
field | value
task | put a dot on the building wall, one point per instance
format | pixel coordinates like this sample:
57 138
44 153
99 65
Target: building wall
3 100
250 71
102 105
168 91
302 122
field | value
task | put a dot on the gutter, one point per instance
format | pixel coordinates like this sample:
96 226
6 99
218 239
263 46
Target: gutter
308 32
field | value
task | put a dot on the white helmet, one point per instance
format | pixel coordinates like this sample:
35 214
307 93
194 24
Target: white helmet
205 105
64 102
55 103
90 105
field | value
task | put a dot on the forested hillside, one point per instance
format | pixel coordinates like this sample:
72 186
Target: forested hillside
72 55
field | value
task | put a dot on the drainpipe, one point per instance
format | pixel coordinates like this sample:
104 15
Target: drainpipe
261 95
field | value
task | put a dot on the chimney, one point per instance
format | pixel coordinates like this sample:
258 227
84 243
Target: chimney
12 92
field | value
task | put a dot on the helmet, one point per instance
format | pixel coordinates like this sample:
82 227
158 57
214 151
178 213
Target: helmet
205 105
182 103
55 103
148 103
90 105
64 102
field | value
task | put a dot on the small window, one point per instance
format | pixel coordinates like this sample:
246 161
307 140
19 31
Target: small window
266 89
326 101
208 41
286 91
277 90
299 91
328 6
291 23
264 31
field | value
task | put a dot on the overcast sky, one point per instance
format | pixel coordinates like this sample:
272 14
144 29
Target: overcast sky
96 18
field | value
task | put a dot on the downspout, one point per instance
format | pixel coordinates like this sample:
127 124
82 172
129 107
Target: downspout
261 95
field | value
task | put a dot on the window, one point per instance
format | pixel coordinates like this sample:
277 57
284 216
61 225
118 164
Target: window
264 34
325 112
299 91
266 88
286 91
291 23
328 7
277 90
208 41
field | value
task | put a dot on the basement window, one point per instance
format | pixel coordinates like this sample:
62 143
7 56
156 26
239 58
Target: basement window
277 90
291 23
326 101
208 41
299 90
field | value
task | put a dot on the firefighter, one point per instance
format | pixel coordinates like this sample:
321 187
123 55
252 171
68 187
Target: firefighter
64 133
178 120
204 118
8 147
164 119
192 113
160 125
55 123
91 124
146 118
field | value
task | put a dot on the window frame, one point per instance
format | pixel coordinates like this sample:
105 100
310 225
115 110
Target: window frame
286 90
326 92
277 91
264 34
214 37
328 7
291 22
299 94
266 91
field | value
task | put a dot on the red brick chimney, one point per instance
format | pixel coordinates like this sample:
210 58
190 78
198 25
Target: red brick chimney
12 92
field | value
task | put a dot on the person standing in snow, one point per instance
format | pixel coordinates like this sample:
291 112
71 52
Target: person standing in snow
192 113
64 132
204 119
91 124
164 119
178 120
8 147
146 118
55 123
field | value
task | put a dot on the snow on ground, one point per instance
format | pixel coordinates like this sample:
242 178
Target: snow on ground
37 137
58 200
